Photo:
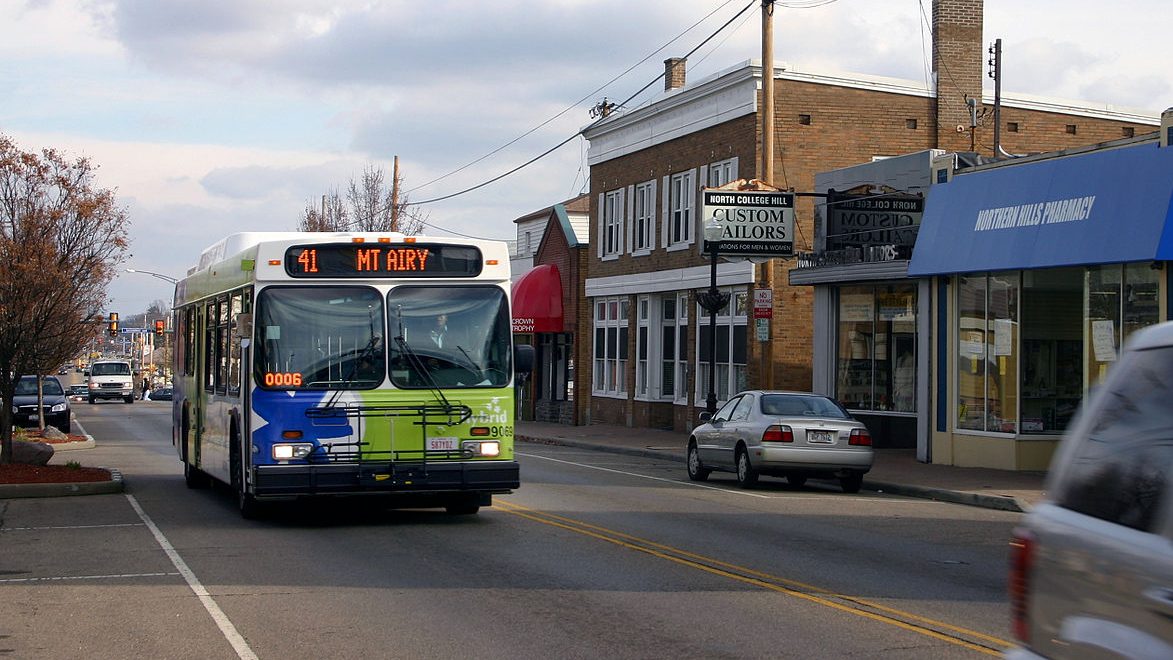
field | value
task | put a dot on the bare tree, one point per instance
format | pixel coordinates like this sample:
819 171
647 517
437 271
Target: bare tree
61 242
370 206
329 215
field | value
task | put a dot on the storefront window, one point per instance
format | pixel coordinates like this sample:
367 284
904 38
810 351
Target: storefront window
987 365
971 352
876 361
1052 348
731 345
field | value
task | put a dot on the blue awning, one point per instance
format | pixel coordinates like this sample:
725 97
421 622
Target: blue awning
1109 206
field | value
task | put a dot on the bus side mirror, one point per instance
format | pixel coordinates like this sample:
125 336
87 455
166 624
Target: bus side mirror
523 358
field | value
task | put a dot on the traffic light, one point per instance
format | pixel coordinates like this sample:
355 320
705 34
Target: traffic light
159 326
112 326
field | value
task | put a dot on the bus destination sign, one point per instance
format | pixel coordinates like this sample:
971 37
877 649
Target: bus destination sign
382 260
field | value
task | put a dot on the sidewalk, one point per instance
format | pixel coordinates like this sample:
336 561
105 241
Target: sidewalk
895 470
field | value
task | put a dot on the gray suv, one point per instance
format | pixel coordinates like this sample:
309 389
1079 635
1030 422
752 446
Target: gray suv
1091 569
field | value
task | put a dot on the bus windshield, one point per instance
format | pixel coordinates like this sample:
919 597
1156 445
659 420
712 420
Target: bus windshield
448 336
318 337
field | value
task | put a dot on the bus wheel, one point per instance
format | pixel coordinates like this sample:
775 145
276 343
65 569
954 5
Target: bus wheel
250 507
194 477
464 505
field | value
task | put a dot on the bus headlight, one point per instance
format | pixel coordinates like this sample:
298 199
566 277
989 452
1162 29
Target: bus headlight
291 451
483 448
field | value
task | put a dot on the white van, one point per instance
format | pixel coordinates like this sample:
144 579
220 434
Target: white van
111 379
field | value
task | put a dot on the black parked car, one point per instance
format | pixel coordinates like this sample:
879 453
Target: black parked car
24 403
161 394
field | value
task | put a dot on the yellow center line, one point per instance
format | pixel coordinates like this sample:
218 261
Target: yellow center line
757 578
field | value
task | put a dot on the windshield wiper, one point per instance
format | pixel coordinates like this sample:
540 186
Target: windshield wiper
476 365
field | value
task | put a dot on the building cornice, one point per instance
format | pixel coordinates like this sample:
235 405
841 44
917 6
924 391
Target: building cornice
733 93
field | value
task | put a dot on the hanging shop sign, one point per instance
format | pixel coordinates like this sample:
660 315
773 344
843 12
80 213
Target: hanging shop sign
888 219
754 223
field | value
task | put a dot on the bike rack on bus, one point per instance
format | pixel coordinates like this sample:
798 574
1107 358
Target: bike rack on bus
403 465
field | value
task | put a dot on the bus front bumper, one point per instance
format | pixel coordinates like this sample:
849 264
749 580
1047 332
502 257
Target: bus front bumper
381 477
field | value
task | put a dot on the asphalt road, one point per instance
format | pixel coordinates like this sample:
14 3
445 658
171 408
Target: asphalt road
597 555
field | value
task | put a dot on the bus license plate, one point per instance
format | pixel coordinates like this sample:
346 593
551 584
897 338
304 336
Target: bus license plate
824 437
443 444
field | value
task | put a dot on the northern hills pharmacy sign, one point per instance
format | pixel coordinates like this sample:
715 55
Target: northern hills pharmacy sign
754 223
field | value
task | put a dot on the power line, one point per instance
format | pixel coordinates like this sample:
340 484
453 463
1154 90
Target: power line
576 103
575 135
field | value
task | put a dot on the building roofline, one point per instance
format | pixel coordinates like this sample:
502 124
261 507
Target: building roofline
728 95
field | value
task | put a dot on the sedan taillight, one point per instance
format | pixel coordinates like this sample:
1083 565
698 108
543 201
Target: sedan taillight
778 433
860 438
1022 559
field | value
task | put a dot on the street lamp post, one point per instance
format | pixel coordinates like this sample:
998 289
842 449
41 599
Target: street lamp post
712 301
165 278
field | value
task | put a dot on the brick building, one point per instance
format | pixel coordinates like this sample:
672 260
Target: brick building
644 356
547 301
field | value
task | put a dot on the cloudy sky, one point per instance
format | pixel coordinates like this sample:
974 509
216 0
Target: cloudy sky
215 116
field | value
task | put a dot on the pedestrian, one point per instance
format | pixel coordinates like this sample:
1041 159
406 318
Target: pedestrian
146 388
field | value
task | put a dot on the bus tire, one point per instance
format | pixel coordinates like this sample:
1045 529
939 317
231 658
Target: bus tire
194 477
464 505
250 507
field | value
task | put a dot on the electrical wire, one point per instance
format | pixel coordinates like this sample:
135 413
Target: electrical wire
576 103
567 140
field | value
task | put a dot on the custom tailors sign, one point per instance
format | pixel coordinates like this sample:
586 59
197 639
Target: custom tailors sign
754 223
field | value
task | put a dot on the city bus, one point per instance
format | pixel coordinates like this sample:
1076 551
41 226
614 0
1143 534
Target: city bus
337 364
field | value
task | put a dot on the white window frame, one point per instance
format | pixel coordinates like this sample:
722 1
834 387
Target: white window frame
722 172
644 343
611 236
609 371
643 218
731 377
678 360
680 195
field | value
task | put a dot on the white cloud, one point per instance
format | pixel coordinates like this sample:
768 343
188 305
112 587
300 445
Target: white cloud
212 117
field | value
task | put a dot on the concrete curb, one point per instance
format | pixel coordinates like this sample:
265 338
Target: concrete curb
982 500
998 502
115 485
88 443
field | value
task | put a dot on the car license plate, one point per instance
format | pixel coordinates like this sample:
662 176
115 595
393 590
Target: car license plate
823 437
34 418
443 444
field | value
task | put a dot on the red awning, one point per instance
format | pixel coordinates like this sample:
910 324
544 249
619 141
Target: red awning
537 300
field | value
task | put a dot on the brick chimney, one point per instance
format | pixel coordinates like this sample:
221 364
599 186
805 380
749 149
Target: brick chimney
674 73
958 60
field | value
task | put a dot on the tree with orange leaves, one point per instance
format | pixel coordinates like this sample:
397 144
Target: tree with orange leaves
62 239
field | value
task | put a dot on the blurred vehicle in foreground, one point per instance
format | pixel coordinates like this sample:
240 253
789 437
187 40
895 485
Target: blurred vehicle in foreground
1091 569
55 404
792 434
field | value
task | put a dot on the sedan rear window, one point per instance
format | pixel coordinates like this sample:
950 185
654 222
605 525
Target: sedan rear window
796 405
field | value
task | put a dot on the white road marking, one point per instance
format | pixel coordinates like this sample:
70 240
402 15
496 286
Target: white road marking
888 501
243 651
87 577
35 529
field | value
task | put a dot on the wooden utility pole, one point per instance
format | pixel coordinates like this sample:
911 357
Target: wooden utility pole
395 195
766 170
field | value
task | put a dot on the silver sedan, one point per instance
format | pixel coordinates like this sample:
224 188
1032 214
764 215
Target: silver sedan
792 434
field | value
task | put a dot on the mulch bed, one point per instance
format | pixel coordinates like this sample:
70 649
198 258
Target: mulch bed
20 473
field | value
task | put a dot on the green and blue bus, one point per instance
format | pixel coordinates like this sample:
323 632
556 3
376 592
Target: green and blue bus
333 364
